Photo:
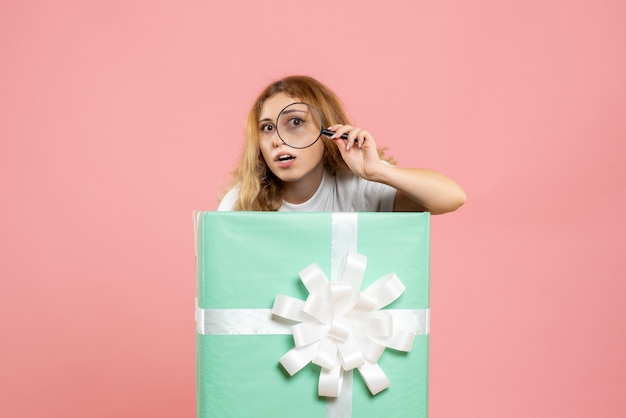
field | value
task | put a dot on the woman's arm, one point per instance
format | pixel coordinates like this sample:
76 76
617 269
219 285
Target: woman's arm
418 189
421 189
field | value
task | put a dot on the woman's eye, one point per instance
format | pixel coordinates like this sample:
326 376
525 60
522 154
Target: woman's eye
295 122
267 128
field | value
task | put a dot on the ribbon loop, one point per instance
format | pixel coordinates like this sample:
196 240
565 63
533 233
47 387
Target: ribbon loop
314 279
317 307
350 354
326 354
306 333
330 381
296 358
386 289
374 377
289 308
353 269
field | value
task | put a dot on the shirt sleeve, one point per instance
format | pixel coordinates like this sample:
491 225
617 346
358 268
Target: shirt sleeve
377 197
384 196
228 202
360 195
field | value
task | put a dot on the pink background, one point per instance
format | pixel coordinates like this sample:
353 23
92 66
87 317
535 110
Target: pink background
118 118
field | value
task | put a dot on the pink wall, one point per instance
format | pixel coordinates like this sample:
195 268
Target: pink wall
118 118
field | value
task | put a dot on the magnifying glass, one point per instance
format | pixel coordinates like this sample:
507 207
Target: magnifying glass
299 125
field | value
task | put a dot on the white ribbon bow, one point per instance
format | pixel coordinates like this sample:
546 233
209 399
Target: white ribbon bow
341 328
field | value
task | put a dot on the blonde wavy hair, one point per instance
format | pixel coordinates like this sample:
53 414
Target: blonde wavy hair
259 188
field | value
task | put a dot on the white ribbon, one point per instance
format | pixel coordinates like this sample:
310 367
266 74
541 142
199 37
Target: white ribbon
344 329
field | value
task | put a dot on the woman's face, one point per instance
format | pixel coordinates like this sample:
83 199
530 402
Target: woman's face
293 166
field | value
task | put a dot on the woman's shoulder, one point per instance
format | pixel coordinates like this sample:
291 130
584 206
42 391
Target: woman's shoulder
230 198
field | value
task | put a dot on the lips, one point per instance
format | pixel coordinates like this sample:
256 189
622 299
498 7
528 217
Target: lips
284 159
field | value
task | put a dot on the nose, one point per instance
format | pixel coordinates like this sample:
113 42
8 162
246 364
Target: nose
276 141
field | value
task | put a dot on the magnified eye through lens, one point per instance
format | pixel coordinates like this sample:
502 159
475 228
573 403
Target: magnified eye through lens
299 125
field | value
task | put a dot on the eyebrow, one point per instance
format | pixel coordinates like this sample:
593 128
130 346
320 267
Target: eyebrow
295 111
285 113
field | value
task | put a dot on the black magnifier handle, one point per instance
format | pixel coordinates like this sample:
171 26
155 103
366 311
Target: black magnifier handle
330 133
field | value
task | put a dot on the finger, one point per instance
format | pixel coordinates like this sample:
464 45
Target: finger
361 137
340 130
335 127
357 137
351 140
343 132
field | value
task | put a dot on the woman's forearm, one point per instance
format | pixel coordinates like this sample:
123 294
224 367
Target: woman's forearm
421 189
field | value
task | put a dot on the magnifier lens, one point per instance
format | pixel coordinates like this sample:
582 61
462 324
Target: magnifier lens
299 125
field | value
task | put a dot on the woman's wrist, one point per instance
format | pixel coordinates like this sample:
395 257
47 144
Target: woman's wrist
380 173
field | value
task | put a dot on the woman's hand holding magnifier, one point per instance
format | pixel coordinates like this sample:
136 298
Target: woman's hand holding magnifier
358 150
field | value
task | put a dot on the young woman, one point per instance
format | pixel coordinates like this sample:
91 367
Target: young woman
332 174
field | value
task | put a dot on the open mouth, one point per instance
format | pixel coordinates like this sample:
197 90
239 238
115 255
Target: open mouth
284 158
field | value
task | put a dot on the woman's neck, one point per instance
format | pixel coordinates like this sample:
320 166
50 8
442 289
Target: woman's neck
300 191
